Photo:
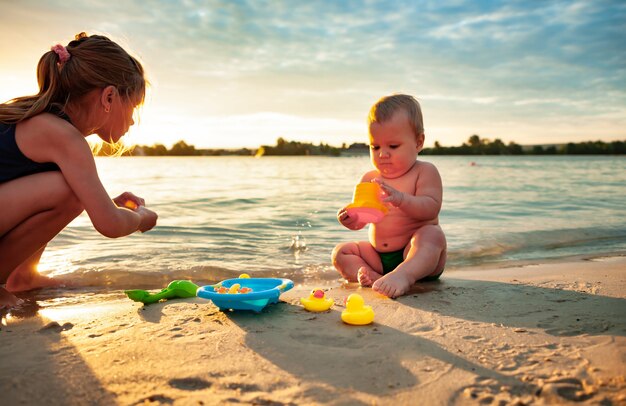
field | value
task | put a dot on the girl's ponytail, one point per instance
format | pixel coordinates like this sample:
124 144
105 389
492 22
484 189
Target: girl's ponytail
65 74
48 78
50 92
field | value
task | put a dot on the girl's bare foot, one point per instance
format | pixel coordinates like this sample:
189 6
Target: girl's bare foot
367 276
21 281
26 277
7 299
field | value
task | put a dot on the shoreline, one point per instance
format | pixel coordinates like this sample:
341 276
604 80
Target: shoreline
549 332
91 283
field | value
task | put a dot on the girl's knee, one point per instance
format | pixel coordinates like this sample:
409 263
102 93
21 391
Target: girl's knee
63 197
73 206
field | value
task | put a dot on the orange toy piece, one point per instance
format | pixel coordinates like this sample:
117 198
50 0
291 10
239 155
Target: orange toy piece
234 289
129 204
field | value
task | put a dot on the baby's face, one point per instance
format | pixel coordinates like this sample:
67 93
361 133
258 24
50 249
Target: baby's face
394 146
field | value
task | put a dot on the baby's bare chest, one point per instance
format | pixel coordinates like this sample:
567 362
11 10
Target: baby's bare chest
406 183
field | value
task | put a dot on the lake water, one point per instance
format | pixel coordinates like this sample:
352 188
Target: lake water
276 216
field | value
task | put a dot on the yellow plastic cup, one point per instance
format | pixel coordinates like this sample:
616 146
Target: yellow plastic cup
366 203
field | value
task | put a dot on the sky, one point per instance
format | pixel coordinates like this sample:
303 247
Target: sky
230 74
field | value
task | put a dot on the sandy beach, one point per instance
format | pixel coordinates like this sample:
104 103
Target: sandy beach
551 333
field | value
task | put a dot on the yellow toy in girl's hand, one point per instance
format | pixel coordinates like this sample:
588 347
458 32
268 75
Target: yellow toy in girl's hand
317 302
357 312
129 204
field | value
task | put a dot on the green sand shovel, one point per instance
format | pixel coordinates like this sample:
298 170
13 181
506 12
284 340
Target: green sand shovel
174 290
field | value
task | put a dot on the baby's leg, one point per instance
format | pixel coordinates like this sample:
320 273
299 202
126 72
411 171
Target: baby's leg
39 207
425 257
357 262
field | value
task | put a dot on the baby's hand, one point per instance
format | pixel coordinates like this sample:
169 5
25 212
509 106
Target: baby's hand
126 197
349 222
390 195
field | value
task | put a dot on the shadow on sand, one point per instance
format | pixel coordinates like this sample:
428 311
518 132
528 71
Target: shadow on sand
320 348
558 312
361 358
62 376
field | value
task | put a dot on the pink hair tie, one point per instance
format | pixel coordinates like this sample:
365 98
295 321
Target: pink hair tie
60 50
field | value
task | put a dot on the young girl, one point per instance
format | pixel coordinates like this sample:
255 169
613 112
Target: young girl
47 171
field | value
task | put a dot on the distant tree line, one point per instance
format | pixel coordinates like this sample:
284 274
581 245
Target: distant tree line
483 146
181 148
284 148
474 146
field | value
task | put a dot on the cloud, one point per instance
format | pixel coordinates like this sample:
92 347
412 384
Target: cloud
319 64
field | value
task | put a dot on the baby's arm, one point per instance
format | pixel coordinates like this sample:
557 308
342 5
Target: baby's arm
426 203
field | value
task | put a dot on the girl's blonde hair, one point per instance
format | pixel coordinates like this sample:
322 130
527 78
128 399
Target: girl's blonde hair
95 62
387 106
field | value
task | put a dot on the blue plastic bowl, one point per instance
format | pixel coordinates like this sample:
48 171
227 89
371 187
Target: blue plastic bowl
264 291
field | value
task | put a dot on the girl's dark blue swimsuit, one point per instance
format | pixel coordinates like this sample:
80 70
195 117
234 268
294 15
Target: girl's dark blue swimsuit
13 164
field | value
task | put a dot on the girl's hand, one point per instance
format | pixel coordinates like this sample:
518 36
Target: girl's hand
349 222
148 218
129 200
390 195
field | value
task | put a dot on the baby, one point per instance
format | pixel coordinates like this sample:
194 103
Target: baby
407 245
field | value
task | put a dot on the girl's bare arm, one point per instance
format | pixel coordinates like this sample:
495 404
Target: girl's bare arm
46 138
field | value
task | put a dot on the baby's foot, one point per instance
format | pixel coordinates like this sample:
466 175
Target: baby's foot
367 276
8 300
392 285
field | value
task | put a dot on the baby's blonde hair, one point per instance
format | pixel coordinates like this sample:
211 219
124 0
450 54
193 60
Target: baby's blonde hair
384 109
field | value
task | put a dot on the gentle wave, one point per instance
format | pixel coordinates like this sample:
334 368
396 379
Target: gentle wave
541 245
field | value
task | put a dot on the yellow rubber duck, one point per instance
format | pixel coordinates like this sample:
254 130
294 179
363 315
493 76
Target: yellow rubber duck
357 312
317 302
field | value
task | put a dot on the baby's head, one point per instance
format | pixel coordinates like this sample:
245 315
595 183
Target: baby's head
385 108
396 134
